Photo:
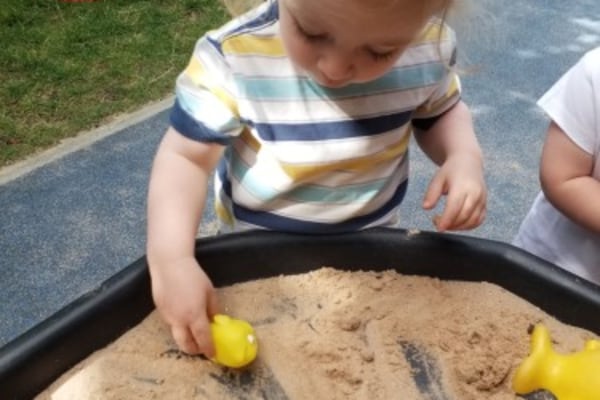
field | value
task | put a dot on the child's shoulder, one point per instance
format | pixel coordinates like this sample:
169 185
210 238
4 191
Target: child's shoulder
259 19
592 58
437 29
587 68
436 43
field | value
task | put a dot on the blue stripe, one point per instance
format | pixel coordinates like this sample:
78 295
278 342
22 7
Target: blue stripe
332 130
268 17
284 224
264 19
301 88
193 129
216 44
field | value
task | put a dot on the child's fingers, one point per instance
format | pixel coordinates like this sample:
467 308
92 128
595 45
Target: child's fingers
465 214
471 216
461 212
434 192
212 305
184 339
201 332
474 220
450 214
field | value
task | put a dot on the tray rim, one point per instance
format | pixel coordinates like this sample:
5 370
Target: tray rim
33 360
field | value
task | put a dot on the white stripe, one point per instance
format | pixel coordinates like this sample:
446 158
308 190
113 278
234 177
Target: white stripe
278 179
317 212
382 171
265 166
332 150
215 66
203 106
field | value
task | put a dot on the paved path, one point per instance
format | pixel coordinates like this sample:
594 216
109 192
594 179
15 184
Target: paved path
74 218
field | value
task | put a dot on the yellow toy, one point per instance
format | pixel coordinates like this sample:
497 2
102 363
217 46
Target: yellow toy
568 377
235 341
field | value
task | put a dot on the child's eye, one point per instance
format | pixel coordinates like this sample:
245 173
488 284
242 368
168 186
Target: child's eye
311 37
386 56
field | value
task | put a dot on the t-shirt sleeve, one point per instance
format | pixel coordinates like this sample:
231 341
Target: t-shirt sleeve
447 90
571 102
205 108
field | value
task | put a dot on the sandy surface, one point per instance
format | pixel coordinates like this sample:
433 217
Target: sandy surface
330 334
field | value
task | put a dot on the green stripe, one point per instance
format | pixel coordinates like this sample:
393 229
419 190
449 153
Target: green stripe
297 88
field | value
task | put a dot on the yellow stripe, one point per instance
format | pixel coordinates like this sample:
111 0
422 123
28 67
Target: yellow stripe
222 213
430 108
250 140
246 44
196 72
302 172
432 33
453 87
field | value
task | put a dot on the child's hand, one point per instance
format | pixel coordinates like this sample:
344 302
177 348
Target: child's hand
186 299
460 178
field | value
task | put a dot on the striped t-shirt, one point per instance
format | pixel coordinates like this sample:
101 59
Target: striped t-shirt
301 157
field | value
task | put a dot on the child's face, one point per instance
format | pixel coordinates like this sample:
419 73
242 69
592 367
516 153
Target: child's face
339 42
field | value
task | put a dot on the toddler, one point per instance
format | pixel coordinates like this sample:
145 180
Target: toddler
563 224
304 110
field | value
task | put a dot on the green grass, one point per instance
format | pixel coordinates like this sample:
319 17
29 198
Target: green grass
69 67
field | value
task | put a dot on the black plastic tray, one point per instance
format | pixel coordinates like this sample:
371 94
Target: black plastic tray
35 359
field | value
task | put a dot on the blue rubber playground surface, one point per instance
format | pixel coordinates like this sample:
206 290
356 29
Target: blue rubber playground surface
72 220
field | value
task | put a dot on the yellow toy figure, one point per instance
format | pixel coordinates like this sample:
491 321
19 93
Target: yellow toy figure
235 341
568 377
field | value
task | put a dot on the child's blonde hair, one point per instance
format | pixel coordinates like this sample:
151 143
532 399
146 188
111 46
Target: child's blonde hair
453 12
238 7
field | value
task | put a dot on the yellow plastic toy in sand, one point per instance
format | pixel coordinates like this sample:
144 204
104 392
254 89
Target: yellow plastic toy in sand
235 341
573 376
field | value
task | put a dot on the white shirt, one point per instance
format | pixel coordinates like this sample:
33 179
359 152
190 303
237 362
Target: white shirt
573 103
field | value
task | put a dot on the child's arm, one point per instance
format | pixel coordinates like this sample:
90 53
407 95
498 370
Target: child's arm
182 292
451 143
565 175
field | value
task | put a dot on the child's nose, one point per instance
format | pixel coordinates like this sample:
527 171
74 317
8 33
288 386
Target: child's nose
336 65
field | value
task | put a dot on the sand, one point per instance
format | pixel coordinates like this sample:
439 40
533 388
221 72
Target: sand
331 334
